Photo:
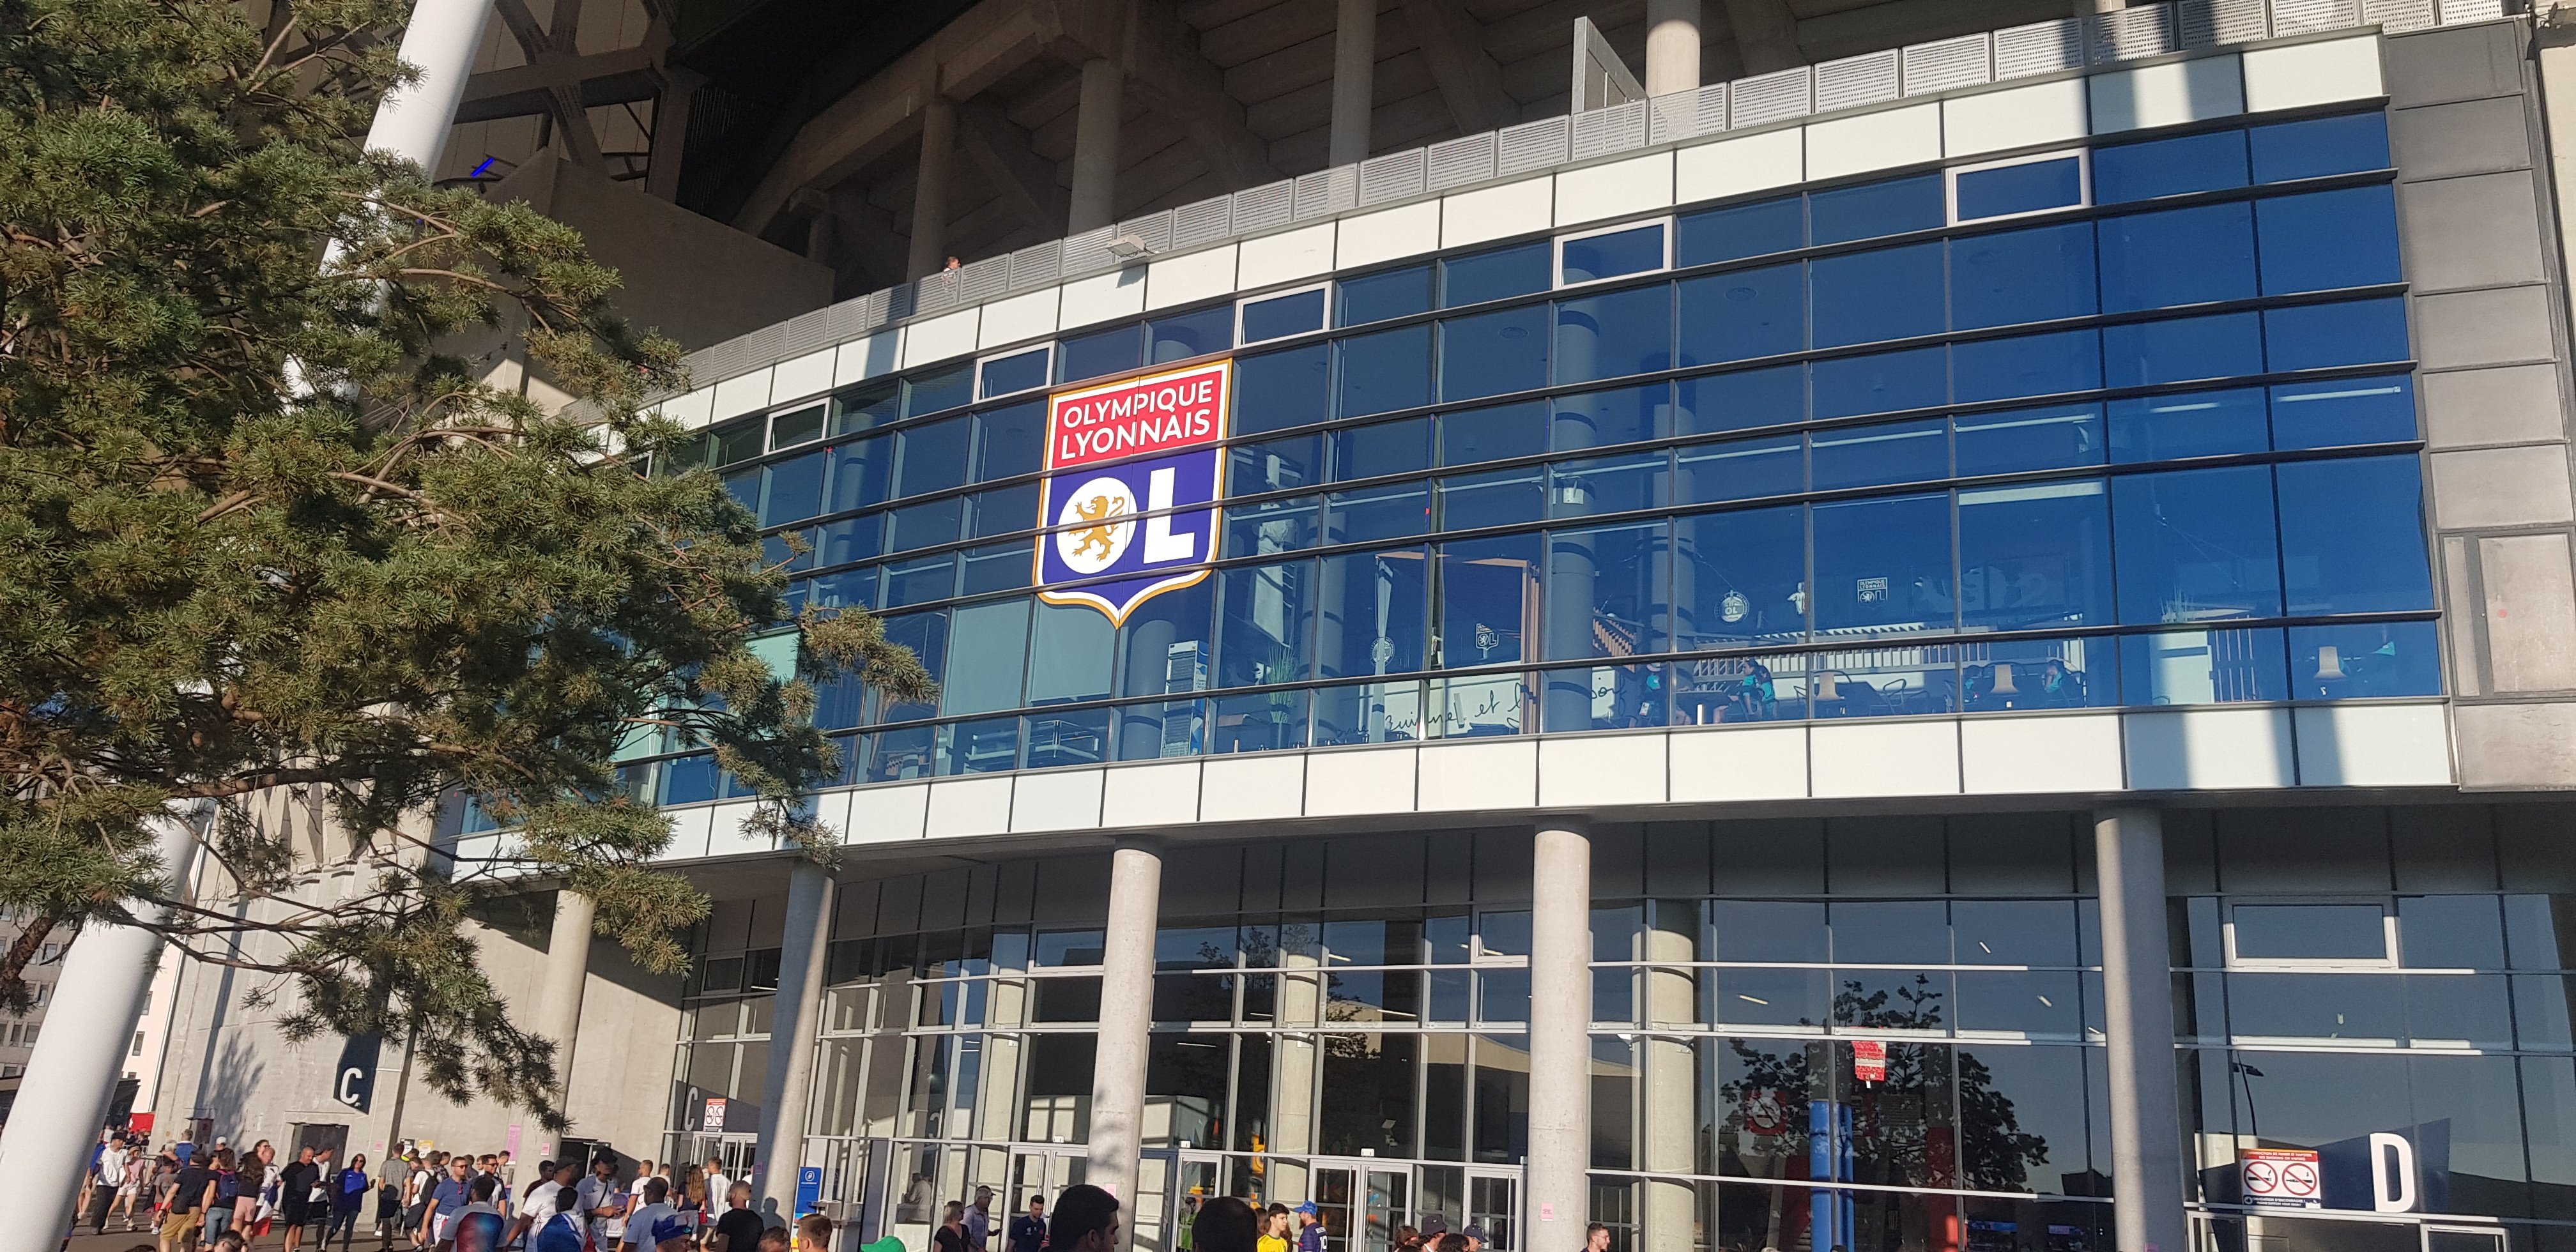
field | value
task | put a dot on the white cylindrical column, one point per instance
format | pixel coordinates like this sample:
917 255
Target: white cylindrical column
1560 1039
1354 81
930 190
558 1015
1126 1021
412 122
62 1103
1095 146
2137 1018
807 937
1672 46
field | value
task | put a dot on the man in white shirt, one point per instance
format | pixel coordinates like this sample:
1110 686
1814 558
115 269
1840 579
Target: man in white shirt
539 1204
719 1187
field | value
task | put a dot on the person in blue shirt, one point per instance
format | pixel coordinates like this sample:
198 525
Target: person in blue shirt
1028 1232
1310 1222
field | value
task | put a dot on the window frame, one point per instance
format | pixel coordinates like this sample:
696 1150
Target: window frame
2389 960
1326 286
1556 252
2083 186
1046 377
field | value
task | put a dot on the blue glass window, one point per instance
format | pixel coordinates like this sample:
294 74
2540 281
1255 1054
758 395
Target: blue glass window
2328 239
2352 536
1385 448
1191 334
2179 256
2168 167
997 636
803 426
866 408
2203 667
1606 592
1364 591
850 539
1496 275
2379 659
2346 411
1742 469
1635 250
1883 566
1001 567
1266 627
856 588
1368 713
794 490
924 580
1871 456
934 457
1598 419
932 393
2320 146
2022 276
895 755
1749 313
1266 721
2196 544
1384 512
1015 373
2026 365
1722 402
1493 353
2029 187
2179 350
925 525
1292 314
1070 647
1869 296
1747 577
1741 231
1164 645
1010 441
1608 484
927 635
2027 439
1493 498
1096 355
2035 555
1377 297
1487 588
1271 526
1080 737
744 486
777 550
1875 209
1273 465
1507 430
1884 383
1611 336
2197 423
2319 336
689 779
981 747
1276 390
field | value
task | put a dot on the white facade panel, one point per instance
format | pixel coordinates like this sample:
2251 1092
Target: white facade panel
2166 95
808 375
1734 167
2002 756
833 811
1359 780
1286 256
2023 116
1102 298
689 833
1897 758
1464 777
951 334
1497 212
1031 316
969 806
2303 74
1252 787
1057 800
725 835
888 814
866 358
1399 232
1163 794
1739 763
1202 275
693 409
1594 193
2197 749
1874 141
2374 745
746 393
1602 769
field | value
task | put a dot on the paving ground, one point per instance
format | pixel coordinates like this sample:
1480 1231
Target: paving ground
117 1240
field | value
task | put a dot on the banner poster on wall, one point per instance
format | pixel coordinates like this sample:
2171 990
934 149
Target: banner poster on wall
1131 488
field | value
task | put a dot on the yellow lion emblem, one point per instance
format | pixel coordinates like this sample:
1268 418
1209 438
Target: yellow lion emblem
1103 510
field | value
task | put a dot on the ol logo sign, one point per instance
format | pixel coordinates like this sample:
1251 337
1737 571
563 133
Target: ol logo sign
1131 488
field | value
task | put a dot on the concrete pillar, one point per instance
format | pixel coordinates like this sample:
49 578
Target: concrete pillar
1560 1040
670 131
558 1015
930 191
1671 1106
1672 46
806 937
1354 80
1126 1017
412 121
1095 146
62 1103
2137 990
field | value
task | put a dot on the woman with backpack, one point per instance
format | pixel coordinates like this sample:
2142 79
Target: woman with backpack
228 1181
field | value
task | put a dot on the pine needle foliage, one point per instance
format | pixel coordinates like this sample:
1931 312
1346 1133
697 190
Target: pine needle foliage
263 548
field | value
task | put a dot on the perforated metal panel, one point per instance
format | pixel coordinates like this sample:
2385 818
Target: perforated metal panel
717 362
984 280
2129 33
1774 97
1529 146
1327 191
1038 265
2039 48
2472 10
1265 206
1674 116
1599 132
1089 251
1203 222
1154 228
1962 62
2209 23
2397 15
2299 17
1393 176
805 333
1467 159
855 317
1853 81
936 294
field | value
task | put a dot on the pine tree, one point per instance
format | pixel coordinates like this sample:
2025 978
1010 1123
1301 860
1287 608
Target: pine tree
258 537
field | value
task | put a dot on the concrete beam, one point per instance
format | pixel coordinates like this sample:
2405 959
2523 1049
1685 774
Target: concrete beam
618 77
1002 151
1170 76
573 134
1454 43
1766 35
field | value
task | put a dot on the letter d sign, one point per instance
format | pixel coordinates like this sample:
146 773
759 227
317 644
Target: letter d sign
2392 1172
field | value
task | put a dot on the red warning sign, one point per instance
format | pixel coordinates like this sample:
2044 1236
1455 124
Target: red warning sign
1869 1060
2281 1178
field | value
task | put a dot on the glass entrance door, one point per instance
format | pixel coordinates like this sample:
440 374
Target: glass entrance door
1386 1204
1494 1206
2463 1238
1194 1182
1043 1173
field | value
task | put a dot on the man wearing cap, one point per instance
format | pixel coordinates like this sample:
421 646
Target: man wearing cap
1475 1235
979 1220
1310 1227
